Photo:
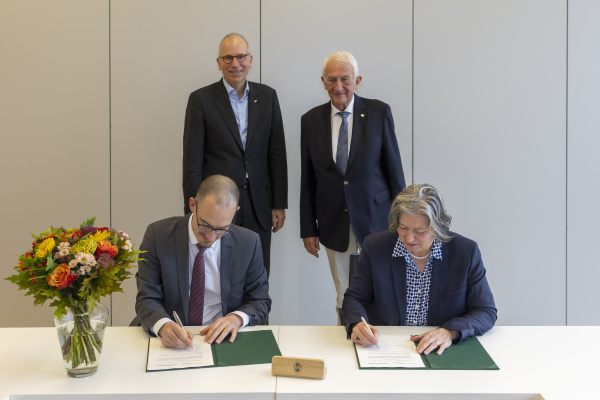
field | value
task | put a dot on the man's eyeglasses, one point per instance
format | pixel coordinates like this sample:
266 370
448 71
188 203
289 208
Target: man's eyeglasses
240 58
207 228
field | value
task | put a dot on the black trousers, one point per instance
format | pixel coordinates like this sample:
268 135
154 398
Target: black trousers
246 217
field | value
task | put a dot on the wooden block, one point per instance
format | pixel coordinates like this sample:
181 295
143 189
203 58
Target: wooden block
298 367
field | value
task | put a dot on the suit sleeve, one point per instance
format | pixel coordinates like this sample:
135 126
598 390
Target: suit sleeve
277 159
255 300
308 183
390 157
360 294
480 309
150 297
193 149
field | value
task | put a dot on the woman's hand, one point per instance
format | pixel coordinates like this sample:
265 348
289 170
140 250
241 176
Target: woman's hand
439 338
362 336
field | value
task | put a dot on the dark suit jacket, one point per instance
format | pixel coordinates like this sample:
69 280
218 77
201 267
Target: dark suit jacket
163 277
460 297
212 145
330 200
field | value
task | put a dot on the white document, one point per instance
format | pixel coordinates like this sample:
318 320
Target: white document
394 352
164 358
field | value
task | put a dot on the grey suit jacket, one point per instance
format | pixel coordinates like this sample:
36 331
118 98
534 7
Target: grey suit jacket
163 277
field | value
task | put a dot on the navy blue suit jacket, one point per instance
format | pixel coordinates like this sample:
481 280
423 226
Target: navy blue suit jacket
329 200
460 297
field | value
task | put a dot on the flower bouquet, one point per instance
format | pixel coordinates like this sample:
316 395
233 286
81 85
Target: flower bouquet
74 268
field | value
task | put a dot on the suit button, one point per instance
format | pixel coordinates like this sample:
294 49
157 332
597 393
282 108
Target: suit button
346 183
246 162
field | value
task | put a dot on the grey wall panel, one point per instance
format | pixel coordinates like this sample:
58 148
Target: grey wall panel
489 132
583 167
161 51
54 111
296 38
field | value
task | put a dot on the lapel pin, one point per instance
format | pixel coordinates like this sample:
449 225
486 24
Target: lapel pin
362 115
256 101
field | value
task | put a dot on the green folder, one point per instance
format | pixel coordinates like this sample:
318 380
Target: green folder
254 347
466 355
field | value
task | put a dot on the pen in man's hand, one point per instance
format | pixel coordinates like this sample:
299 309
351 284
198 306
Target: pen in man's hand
368 328
179 322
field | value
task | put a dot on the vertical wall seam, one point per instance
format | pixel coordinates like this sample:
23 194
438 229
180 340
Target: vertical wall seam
412 124
110 138
567 171
260 39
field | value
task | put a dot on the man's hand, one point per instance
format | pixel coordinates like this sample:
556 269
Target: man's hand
311 244
172 335
431 340
218 330
361 335
277 219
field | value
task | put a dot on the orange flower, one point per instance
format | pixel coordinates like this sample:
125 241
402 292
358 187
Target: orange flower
61 277
104 246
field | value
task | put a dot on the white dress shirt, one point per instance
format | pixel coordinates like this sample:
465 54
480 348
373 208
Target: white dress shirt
212 281
336 122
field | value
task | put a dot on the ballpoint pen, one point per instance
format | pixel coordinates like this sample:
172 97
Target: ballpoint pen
368 328
179 321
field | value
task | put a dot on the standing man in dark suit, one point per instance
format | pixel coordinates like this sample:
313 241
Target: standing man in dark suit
203 267
351 169
234 128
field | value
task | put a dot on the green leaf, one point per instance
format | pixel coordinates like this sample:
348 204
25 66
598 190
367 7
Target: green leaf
88 222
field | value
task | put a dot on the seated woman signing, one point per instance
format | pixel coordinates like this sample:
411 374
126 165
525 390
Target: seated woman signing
420 274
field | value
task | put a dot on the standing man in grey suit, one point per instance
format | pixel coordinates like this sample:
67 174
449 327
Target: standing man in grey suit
234 128
203 267
351 169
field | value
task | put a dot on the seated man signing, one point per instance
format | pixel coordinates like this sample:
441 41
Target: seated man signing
208 270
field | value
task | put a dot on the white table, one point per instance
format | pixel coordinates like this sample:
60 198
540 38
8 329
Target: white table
535 363
31 368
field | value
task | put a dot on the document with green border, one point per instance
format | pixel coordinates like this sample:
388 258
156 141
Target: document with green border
467 355
252 347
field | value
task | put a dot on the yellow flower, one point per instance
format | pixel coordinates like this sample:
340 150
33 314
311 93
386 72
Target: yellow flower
87 245
100 236
45 247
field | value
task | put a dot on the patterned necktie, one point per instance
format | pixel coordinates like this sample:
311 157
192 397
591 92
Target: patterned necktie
341 157
196 312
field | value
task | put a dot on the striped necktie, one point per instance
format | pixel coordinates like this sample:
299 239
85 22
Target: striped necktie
341 157
196 312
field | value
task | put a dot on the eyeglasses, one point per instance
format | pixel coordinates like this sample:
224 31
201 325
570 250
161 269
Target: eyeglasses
240 58
207 228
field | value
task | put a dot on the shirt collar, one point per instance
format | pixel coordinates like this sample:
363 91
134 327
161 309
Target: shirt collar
350 107
192 238
401 251
230 88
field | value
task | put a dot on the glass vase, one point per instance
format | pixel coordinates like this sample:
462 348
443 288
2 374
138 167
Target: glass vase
80 333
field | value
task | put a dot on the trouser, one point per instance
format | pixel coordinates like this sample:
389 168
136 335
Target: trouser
246 217
339 264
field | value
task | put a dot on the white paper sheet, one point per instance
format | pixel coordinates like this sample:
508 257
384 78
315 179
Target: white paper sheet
164 358
394 352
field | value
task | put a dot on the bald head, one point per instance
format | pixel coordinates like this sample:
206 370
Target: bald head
223 189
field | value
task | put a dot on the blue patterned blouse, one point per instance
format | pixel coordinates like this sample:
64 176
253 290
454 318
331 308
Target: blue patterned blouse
417 283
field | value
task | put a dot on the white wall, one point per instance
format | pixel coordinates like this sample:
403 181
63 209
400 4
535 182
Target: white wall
486 123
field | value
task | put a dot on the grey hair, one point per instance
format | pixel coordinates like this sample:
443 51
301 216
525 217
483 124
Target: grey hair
224 189
425 200
233 34
341 56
